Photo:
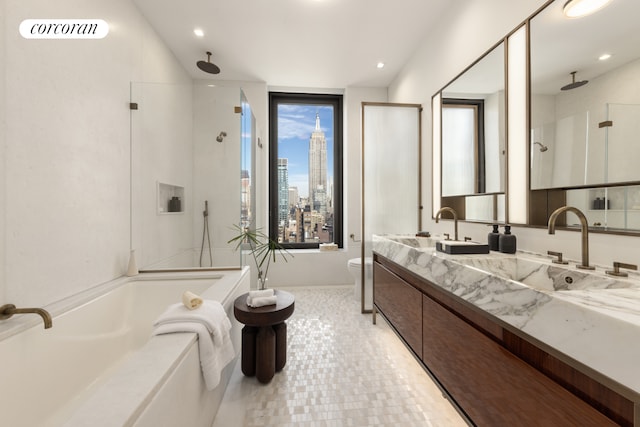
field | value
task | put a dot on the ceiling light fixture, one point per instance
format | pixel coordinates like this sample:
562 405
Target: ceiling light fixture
604 57
380 65
198 32
580 8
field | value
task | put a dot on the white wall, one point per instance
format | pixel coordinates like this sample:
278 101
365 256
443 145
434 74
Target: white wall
461 38
3 166
67 146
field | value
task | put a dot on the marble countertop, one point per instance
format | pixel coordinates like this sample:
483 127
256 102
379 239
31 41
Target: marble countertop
595 320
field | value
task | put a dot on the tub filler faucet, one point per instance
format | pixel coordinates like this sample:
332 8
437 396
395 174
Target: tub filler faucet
8 310
455 219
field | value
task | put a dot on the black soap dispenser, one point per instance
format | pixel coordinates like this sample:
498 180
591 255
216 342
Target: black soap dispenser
507 241
494 238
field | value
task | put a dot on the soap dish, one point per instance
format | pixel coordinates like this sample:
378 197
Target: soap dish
455 247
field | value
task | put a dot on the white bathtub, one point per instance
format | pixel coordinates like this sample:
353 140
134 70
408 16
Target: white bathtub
98 365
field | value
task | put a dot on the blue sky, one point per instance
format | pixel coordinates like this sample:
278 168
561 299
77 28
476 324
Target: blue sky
296 122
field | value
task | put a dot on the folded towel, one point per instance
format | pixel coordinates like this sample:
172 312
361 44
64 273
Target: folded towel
326 247
211 314
262 293
191 300
212 325
213 358
265 293
261 301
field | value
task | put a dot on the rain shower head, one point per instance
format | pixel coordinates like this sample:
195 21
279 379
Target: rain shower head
574 84
207 66
543 148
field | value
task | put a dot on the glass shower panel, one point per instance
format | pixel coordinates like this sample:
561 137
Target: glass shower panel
217 173
161 177
391 170
185 175
563 155
247 166
622 142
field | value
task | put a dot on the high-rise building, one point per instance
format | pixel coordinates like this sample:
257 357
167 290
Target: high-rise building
283 192
318 169
246 214
294 197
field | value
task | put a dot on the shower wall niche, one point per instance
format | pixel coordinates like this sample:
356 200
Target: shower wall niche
176 157
170 199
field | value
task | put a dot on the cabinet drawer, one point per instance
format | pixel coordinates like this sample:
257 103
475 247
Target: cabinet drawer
494 387
401 304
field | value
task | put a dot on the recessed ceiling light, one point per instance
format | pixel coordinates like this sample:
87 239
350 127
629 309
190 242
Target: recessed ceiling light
211 85
380 65
604 57
580 8
198 32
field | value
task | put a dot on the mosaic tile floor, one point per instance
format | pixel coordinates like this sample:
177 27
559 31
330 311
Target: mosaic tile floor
341 371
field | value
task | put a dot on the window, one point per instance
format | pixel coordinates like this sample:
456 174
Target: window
463 146
305 169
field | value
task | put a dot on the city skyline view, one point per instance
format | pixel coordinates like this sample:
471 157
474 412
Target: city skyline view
305 173
296 123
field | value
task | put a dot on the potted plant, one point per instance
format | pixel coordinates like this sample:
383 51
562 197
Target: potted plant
263 250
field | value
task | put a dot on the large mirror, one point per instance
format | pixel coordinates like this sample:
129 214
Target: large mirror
473 140
192 171
585 114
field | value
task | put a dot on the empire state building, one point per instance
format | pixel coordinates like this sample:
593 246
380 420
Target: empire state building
318 169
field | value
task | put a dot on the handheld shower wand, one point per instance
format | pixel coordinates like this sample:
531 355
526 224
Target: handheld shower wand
205 231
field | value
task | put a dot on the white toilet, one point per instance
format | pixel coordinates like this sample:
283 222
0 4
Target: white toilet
354 266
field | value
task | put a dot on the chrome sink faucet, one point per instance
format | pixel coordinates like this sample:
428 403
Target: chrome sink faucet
8 310
584 228
455 219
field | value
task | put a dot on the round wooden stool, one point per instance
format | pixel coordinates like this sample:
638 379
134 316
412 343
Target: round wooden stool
264 336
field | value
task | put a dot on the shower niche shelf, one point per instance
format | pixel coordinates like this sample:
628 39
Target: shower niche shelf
170 199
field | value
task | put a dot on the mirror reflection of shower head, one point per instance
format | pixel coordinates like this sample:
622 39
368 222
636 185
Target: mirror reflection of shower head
221 136
543 148
574 84
207 66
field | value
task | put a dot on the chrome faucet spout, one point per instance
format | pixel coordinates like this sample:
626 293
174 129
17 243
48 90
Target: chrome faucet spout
455 219
584 228
8 310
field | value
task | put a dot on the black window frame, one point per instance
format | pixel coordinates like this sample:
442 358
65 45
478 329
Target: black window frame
276 98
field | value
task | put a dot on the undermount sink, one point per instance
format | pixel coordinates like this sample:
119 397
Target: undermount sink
546 277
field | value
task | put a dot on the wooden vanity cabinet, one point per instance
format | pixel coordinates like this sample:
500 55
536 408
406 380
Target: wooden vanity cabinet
401 304
465 351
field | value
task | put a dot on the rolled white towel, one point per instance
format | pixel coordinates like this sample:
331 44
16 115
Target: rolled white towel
191 300
262 301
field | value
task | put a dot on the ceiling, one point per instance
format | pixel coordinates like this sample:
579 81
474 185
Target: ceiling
560 45
296 43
